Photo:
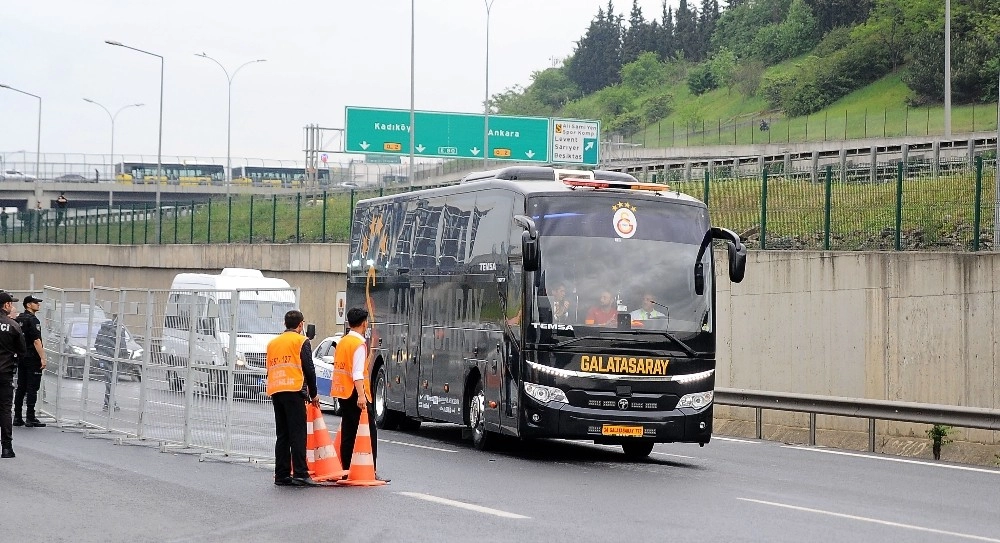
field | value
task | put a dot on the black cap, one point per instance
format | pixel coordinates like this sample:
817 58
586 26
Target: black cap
29 299
6 297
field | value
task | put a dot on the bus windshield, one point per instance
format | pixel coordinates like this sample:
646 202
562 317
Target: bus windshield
614 263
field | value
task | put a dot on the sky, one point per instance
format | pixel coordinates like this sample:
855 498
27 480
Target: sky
320 57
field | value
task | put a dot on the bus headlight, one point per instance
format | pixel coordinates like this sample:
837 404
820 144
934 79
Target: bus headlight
545 394
696 400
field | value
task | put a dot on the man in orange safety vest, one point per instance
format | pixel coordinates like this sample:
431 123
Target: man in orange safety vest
291 383
352 384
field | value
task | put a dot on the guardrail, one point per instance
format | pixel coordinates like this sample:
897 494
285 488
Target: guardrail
925 413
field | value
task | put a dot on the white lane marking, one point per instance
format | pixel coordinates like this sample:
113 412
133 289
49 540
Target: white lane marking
873 520
734 440
675 455
461 505
417 446
891 459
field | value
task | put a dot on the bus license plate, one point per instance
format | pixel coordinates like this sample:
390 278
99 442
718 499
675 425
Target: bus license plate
626 431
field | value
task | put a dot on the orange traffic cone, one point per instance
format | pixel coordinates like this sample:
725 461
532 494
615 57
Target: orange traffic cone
362 472
321 455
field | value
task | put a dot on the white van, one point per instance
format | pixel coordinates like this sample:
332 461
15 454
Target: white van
203 324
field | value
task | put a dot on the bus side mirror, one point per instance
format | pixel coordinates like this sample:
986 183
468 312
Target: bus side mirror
737 253
529 242
529 248
311 331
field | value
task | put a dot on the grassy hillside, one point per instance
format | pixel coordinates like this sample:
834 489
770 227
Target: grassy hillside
727 117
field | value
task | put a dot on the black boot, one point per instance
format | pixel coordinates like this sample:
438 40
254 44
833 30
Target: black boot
32 422
7 453
18 420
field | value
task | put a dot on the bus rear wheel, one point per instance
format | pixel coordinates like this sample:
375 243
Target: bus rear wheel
476 412
638 449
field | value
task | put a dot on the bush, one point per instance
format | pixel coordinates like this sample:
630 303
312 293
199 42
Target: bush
701 80
657 107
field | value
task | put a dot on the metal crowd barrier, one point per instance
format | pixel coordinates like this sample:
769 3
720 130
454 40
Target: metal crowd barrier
109 374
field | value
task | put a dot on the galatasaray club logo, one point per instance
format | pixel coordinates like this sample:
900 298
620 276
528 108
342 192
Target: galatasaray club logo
624 221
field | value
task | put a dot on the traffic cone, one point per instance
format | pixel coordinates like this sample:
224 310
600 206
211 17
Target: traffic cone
362 472
321 455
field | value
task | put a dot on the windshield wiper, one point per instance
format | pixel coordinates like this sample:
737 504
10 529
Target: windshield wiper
668 335
574 340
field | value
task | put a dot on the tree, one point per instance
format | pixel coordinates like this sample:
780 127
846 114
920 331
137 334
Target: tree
723 67
596 62
552 88
644 73
832 14
665 44
636 37
706 25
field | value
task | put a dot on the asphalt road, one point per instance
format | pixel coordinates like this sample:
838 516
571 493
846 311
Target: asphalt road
64 486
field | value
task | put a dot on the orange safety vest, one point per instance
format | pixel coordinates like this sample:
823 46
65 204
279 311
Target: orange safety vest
284 363
342 384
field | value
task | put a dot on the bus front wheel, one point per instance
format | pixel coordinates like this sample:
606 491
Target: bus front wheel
477 418
638 449
385 418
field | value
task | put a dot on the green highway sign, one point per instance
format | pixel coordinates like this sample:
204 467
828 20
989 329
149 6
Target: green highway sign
447 135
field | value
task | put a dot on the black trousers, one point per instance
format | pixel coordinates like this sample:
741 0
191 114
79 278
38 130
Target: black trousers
290 430
29 379
350 415
6 402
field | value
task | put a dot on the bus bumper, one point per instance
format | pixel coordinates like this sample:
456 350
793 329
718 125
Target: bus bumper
559 420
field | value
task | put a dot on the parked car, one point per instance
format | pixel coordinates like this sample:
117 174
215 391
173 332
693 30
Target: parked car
80 335
323 360
72 178
14 175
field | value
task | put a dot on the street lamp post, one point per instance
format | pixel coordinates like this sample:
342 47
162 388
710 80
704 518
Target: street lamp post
413 29
112 117
947 68
486 100
38 143
229 113
159 139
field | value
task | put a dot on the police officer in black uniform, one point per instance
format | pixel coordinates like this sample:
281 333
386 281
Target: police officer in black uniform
29 366
11 345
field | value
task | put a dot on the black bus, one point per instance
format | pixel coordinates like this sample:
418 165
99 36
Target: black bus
535 302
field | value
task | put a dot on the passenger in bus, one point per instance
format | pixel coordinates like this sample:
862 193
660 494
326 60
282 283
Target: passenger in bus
648 310
605 313
561 306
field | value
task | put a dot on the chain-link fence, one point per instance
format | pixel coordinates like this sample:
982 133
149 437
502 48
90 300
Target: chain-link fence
182 369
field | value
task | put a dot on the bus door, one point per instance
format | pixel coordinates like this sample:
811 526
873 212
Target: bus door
411 369
510 351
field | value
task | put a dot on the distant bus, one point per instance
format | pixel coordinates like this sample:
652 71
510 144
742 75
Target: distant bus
170 174
265 176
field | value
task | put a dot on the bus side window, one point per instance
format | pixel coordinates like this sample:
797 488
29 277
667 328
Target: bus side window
425 240
455 230
491 222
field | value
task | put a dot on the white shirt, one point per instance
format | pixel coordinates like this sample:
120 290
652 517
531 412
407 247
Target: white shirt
642 315
359 359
